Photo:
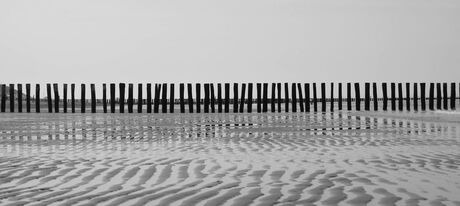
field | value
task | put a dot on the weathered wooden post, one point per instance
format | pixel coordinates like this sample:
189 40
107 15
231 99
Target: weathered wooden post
393 96
400 97
445 97
243 93
278 87
190 98
56 98
367 96
286 97
439 96
422 96
452 95
181 97
104 97
307 97
348 96
265 98
431 98
213 99
164 98
172 100
219 97
294 97
408 96
206 98
385 96
156 98
28 98
358 97
149 98
227 97
83 98
323 97
198 97
37 98
139 98
301 101
273 98
376 98
3 106
340 100
235 97
112 98
315 98
130 98
12 97
415 97
48 96
72 97
122 97
93 98
249 103
332 97
259 97
20 98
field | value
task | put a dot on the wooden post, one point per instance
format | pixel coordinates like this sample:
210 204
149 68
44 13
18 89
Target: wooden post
12 97
332 97
164 98
28 98
323 97
171 98
400 97
315 98
367 96
348 96
227 97
340 96
37 98
20 98
445 97
206 98
243 92
249 103
301 102
112 98
83 98
198 97
452 95
393 96
431 98
408 96
219 97
190 97
130 98
415 97
235 97
358 97
156 98
48 96
93 98
213 99
122 97
307 97
104 97
181 97
139 98
439 96
259 97
376 98
3 106
265 98
278 87
286 97
422 96
294 97
385 96
72 97
149 98
273 98
56 98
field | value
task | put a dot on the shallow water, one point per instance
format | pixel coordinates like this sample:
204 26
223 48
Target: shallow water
340 158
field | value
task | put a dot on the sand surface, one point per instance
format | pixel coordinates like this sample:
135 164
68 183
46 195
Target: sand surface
341 158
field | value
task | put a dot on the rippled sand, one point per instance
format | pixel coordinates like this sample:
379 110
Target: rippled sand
230 159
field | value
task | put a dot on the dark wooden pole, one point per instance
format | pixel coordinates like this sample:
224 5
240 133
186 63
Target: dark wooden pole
422 96
259 97
273 98
301 102
323 97
156 98
265 98
227 97
243 93
164 98
213 99
445 97
376 98
439 96
431 98
72 97
286 97
181 97
93 98
400 97
235 97
206 98
415 97
385 96
452 95
408 96
20 98
198 97
149 98
48 96
367 96
219 97
315 98
358 97
56 98
12 97
112 98
249 103
28 98
139 98
307 97
171 98
332 97
3 106
122 97
37 98
340 96
190 97
83 98
278 87
348 96
104 97
130 98
393 96
294 97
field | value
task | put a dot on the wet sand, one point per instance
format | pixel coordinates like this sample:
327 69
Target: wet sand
341 158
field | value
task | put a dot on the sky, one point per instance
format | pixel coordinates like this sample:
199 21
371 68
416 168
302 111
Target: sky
174 41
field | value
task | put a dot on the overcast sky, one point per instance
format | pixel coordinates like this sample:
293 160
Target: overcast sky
97 41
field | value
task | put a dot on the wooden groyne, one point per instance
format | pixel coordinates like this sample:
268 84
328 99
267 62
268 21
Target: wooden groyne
274 97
